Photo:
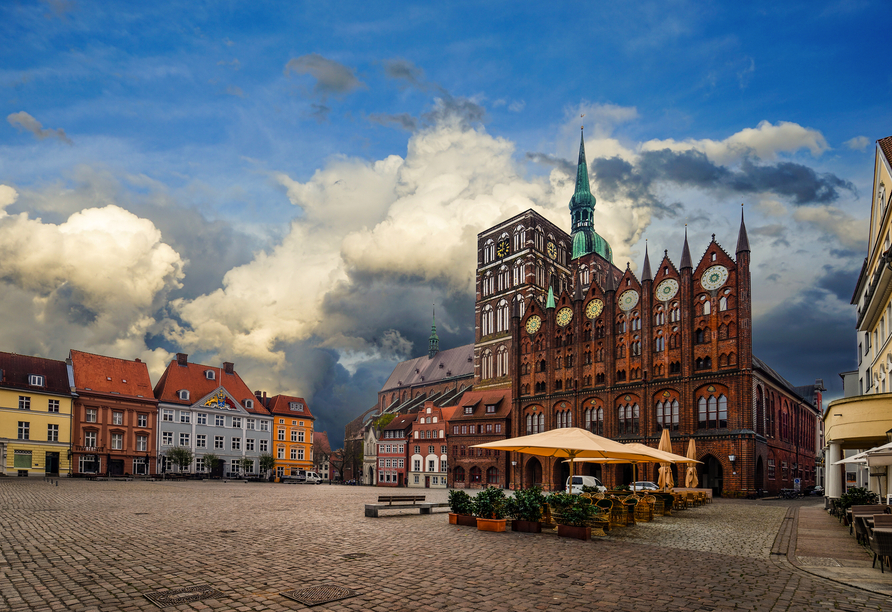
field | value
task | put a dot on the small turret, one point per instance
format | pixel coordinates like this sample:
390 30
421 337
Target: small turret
685 252
743 243
645 269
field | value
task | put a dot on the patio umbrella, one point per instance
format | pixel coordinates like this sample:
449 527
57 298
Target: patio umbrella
690 480
569 443
656 456
666 481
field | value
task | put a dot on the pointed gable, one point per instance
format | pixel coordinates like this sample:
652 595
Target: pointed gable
202 381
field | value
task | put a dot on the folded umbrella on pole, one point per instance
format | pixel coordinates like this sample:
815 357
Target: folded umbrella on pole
691 481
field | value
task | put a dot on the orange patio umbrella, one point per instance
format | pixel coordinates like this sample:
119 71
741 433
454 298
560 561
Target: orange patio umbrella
666 480
691 480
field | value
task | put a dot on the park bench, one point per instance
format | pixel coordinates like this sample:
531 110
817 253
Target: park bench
398 502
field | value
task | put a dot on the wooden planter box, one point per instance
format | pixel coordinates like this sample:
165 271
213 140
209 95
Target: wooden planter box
579 533
526 526
466 520
484 524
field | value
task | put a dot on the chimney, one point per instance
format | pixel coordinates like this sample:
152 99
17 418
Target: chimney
257 394
227 367
181 359
137 360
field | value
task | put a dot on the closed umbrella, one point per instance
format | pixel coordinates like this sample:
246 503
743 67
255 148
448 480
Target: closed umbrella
691 480
666 480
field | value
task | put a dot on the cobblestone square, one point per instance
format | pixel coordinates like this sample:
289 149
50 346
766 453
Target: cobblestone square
102 545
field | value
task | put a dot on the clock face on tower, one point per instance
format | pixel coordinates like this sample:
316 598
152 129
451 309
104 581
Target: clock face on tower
503 248
594 308
628 300
667 289
563 316
552 250
714 277
533 324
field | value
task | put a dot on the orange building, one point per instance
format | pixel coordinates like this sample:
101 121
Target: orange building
292 434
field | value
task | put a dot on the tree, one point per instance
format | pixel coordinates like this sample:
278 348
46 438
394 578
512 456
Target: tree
210 462
338 461
267 463
180 456
247 464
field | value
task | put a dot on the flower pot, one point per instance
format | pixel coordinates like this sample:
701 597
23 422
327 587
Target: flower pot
453 519
579 533
484 524
526 526
466 520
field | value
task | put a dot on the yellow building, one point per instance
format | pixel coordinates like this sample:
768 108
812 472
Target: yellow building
292 434
863 418
35 416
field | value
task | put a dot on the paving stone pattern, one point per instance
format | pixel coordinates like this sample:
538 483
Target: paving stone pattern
97 546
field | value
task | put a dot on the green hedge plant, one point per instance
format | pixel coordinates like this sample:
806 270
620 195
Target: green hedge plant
526 504
460 502
490 503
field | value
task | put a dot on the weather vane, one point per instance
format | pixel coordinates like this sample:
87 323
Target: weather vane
582 127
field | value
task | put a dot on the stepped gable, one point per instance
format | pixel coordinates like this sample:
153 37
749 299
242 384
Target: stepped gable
15 368
101 374
281 404
192 376
456 362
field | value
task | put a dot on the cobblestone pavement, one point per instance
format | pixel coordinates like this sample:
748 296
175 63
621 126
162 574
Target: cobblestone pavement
102 545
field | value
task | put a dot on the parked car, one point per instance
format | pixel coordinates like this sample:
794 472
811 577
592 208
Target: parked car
583 481
303 477
644 485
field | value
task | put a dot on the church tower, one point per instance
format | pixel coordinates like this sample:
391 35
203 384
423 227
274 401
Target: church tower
433 341
582 214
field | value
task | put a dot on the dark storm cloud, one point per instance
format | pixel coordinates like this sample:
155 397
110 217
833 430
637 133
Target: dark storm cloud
839 281
618 178
448 107
799 183
402 120
331 77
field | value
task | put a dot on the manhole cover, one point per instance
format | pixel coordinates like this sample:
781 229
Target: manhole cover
355 555
174 597
325 593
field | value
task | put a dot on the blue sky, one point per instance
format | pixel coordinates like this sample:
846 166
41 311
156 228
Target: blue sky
290 185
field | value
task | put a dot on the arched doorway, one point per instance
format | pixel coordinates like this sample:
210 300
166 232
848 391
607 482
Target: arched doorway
532 473
711 475
560 474
371 476
760 475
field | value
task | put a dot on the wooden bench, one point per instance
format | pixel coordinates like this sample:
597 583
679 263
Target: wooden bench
398 502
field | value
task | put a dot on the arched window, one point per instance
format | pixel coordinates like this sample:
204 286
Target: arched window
486 365
518 273
584 275
486 321
504 279
458 474
723 304
667 414
489 251
760 411
475 475
502 316
541 421
712 412
707 307
502 361
659 344
530 424
628 417
492 476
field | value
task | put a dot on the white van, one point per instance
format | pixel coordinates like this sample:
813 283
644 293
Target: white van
583 481
313 478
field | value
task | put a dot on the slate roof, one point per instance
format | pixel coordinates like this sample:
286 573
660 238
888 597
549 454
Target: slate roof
278 404
501 398
16 368
102 374
192 378
456 363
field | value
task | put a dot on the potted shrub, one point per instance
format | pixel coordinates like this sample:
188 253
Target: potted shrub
489 508
461 509
573 514
525 510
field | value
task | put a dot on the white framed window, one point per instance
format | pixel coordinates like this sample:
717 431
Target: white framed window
53 406
249 423
237 422
236 444
300 453
209 374
300 436
142 420
199 464
167 438
35 380
249 404
431 465
294 453
185 416
264 425
416 465
293 435
117 418
52 433
249 444
24 402
117 441
249 469
142 443
183 394
281 435
264 446
201 418
90 439
235 465
167 415
184 439
296 406
201 441
218 442
280 452
219 420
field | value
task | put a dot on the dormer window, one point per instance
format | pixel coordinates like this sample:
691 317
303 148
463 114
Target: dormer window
35 380
183 394
209 374
296 406
469 410
490 408
249 404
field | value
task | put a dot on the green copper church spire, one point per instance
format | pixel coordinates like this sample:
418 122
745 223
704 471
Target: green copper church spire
434 340
549 302
582 213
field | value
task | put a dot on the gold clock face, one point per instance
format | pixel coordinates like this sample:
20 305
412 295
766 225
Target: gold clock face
594 308
714 277
667 289
628 300
564 315
533 324
503 248
552 250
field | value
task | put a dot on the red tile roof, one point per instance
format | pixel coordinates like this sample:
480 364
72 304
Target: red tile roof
14 371
501 398
448 413
101 374
279 404
192 378
886 147
401 421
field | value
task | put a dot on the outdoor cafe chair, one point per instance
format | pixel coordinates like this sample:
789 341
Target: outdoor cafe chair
881 545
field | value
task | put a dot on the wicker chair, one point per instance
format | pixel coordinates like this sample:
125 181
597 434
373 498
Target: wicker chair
659 509
629 505
614 511
644 509
881 545
680 501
